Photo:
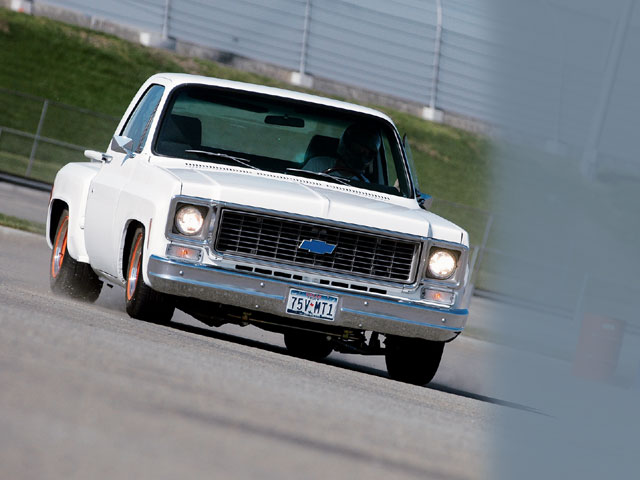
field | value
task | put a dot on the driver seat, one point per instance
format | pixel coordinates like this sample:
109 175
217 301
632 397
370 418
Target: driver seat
321 153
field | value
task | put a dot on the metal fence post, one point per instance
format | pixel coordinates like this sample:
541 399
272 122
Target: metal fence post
32 157
590 152
165 20
305 39
436 55
479 251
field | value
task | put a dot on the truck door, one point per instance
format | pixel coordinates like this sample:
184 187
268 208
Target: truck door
102 234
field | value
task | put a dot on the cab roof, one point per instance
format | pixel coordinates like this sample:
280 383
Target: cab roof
176 79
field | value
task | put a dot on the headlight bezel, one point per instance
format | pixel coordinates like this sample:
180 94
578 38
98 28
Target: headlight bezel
206 209
458 252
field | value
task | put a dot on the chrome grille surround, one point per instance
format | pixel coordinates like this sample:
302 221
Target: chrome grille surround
359 253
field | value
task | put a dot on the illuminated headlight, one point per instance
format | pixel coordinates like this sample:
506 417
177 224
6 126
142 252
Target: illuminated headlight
189 220
442 264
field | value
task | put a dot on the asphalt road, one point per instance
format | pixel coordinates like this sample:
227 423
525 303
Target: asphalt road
87 392
23 202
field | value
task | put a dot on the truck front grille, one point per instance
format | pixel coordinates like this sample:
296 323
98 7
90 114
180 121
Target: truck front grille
278 239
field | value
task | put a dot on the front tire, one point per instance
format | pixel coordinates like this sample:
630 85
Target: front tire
142 302
67 276
412 360
308 345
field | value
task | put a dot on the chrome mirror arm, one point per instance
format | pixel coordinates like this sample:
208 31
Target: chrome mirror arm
98 156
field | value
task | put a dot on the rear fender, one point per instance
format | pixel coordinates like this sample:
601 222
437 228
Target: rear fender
71 188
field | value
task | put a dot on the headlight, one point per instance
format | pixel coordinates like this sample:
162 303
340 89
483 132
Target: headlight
442 264
189 220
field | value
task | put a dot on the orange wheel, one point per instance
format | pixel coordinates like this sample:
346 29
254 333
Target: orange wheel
67 276
133 273
59 247
142 302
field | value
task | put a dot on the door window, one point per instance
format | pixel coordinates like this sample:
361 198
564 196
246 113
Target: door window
137 127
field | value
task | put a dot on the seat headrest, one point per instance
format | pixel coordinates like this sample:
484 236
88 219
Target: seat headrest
321 146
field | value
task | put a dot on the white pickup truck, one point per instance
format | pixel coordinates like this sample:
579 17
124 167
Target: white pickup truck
246 204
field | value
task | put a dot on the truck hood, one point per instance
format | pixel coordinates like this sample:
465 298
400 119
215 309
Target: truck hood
303 196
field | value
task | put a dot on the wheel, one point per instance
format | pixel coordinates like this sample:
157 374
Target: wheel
67 276
142 302
309 345
412 360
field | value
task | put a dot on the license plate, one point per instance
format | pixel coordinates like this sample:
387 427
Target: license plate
314 305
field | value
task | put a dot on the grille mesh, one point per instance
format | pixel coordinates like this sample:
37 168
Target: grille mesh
277 239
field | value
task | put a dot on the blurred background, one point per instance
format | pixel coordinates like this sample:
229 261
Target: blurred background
522 117
567 192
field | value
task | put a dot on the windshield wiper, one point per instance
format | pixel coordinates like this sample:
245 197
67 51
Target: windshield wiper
320 175
241 161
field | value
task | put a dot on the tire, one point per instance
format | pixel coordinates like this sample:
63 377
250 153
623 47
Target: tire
67 276
142 302
412 360
307 345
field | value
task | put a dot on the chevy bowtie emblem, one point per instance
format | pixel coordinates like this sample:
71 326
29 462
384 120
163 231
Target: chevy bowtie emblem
317 246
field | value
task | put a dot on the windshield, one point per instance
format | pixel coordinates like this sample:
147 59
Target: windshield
282 135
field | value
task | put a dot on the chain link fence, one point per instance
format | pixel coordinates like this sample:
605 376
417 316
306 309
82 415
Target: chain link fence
431 53
38 135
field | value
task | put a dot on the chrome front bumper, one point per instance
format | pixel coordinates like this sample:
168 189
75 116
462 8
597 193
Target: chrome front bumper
269 295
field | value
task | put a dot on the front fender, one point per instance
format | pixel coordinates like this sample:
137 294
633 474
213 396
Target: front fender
71 186
145 200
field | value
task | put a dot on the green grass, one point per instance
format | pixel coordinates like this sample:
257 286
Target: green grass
44 168
21 224
101 73
452 164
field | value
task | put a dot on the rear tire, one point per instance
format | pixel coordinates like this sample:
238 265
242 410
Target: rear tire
67 276
308 345
142 302
412 360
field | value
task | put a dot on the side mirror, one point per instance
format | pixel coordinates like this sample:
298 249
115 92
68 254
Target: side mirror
424 200
122 144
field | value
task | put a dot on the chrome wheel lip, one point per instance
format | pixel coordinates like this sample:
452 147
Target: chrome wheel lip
59 248
134 268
